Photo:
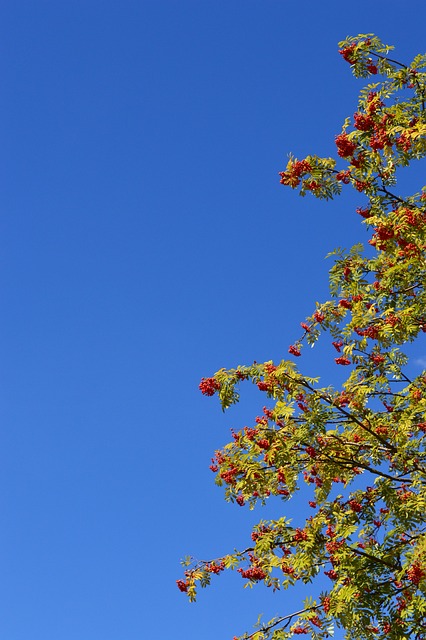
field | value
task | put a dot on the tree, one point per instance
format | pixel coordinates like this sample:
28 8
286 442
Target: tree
361 447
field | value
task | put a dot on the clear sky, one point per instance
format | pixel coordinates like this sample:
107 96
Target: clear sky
145 242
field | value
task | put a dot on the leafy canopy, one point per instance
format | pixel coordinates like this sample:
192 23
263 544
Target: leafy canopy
360 447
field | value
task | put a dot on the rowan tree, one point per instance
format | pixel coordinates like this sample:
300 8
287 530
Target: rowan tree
359 446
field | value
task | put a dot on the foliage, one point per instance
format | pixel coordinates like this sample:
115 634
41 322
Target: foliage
361 447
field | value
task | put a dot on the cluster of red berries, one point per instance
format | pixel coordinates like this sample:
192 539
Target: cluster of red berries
363 122
258 534
371 67
270 368
326 603
410 217
364 212
345 147
288 571
355 506
268 383
212 567
416 573
265 385
300 535
404 142
319 317
300 167
334 545
409 249
343 176
229 475
382 431
392 319
182 585
370 332
250 433
343 399
312 452
263 443
380 139
253 573
295 351
281 476
348 53
342 360
313 186
345 304
300 630
358 161
332 574
360 185
268 413
292 176
315 621
208 386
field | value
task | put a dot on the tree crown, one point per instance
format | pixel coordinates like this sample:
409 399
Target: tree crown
361 446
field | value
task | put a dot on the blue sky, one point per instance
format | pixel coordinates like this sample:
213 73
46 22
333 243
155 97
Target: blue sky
146 242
